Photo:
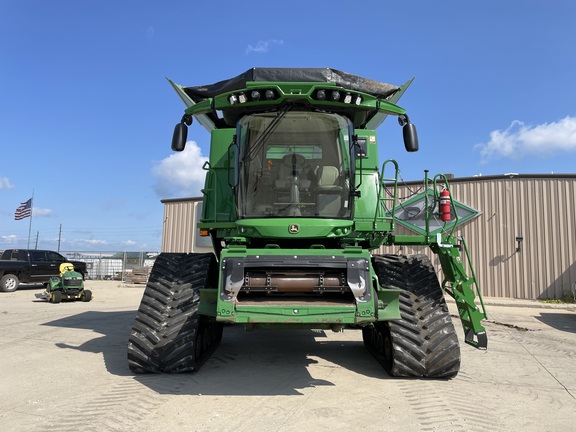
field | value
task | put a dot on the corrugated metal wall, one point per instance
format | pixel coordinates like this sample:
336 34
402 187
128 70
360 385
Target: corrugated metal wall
541 209
177 226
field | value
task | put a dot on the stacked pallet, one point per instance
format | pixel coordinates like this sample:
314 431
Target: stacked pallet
139 275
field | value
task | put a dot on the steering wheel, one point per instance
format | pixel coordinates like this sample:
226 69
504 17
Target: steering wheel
294 160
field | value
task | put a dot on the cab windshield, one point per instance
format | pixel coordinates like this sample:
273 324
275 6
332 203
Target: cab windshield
293 164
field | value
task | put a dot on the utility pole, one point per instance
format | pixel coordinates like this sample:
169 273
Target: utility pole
59 237
37 234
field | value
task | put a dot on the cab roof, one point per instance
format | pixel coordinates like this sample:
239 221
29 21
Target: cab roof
342 79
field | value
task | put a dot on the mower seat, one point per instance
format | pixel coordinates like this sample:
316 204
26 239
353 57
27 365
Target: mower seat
64 267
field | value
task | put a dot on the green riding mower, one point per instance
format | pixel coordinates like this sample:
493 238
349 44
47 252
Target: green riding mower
68 286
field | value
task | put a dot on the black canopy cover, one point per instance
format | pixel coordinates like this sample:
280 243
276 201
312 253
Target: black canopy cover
340 78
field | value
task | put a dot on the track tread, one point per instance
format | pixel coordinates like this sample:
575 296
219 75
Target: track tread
424 342
166 327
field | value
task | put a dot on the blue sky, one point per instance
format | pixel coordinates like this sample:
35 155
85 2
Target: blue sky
86 114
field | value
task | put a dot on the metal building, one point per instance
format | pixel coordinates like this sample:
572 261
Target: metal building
522 243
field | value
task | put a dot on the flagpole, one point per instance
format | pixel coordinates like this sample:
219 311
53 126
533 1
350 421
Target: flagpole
30 225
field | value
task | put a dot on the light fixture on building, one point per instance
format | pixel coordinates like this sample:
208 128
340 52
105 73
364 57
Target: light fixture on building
519 241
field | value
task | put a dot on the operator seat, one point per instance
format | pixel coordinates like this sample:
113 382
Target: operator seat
292 164
328 179
329 191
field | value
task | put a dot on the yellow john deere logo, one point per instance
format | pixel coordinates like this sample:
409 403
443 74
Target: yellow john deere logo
294 229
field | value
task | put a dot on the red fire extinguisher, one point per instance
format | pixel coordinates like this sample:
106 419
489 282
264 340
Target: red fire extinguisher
444 206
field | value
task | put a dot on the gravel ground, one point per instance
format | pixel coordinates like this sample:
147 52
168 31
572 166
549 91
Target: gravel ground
64 368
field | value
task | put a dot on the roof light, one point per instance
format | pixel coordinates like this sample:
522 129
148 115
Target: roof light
233 99
358 100
348 98
255 95
335 95
242 98
269 94
321 95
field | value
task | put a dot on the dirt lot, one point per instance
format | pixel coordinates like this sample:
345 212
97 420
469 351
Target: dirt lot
64 368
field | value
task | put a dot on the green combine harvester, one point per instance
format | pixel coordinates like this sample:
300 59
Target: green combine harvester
295 202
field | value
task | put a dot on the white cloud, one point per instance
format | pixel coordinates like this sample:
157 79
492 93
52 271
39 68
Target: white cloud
263 46
5 183
181 174
41 212
520 140
9 239
93 242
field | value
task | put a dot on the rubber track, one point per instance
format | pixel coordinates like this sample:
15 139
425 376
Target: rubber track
168 334
424 342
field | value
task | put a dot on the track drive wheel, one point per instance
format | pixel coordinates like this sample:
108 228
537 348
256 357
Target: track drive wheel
168 334
424 342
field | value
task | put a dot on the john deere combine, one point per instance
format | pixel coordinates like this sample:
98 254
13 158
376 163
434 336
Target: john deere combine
295 201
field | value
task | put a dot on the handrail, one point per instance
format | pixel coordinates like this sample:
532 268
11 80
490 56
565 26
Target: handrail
379 199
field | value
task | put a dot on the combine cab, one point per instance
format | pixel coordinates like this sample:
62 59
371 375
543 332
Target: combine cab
296 202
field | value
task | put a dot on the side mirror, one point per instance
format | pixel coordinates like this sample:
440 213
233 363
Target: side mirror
410 137
179 137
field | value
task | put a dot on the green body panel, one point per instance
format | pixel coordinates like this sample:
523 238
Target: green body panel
208 301
294 229
255 314
291 91
60 283
388 304
218 197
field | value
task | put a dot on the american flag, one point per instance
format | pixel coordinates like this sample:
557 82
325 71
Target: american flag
24 211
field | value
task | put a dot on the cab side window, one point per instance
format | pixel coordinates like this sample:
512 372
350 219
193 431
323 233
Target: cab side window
38 256
55 257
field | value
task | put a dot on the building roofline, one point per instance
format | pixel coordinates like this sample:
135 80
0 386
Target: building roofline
507 176
174 200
